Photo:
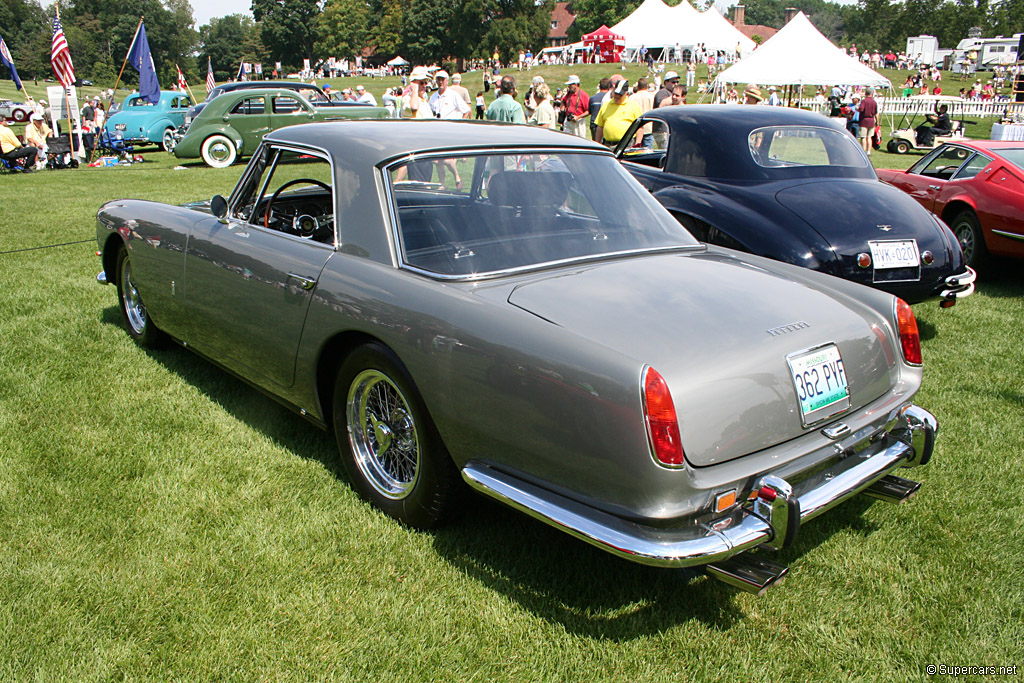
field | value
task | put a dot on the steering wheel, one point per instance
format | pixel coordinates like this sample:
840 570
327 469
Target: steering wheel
267 211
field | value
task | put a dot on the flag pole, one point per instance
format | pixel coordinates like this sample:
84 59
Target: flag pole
125 63
190 94
67 105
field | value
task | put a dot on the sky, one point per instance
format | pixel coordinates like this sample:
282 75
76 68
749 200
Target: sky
204 10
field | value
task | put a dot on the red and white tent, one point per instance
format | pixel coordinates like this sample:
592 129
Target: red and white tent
606 43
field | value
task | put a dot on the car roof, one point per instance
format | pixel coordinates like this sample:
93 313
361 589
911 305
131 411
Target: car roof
371 141
719 134
247 85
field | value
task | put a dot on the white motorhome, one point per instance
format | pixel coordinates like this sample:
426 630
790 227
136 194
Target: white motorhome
990 52
926 46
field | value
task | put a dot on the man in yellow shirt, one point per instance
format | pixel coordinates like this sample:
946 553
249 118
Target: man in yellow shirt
617 113
11 149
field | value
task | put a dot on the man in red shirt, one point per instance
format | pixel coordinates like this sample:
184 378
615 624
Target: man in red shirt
576 105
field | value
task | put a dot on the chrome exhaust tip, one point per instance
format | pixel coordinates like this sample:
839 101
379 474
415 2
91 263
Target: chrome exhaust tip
893 489
747 572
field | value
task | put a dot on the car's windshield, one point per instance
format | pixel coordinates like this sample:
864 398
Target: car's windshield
470 214
788 146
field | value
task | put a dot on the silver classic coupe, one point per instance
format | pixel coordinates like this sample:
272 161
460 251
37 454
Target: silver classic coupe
506 307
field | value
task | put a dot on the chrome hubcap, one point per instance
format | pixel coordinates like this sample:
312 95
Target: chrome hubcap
134 309
382 434
219 152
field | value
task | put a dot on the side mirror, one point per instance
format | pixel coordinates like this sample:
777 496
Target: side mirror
219 206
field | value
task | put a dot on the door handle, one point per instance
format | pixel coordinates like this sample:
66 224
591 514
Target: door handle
307 283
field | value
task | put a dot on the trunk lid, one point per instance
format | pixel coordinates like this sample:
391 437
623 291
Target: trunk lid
719 330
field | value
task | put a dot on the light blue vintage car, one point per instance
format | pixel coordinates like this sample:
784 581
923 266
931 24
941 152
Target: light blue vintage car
140 122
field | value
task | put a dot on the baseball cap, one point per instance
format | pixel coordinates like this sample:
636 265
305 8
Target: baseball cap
327 86
360 88
441 73
456 78
419 74
670 75
621 87
573 79
35 117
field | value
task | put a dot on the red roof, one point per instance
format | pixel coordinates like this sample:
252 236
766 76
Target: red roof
561 19
603 33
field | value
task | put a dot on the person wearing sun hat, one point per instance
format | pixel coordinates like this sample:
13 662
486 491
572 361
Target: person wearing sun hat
414 102
752 95
617 113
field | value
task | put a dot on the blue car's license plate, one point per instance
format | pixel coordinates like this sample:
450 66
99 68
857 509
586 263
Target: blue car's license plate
820 382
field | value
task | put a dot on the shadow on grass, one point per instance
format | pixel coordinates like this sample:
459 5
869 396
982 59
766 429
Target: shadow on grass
552 575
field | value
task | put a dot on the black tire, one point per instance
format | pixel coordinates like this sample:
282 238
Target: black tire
133 310
891 147
390 447
902 147
968 233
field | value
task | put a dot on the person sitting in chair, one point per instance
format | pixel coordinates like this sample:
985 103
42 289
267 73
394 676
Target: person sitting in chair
11 149
940 125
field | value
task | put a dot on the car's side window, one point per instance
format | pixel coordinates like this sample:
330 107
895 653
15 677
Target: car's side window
654 148
286 105
250 106
944 164
973 167
289 191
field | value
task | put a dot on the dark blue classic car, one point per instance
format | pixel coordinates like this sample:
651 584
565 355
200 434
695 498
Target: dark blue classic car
794 186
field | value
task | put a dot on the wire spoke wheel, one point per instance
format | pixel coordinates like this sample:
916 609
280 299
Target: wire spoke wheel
383 434
134 309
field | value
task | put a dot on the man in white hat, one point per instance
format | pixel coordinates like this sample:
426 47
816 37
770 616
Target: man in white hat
773 97
446 103
363 96
459 88
414 102
36 133
576 105
667 88
530 104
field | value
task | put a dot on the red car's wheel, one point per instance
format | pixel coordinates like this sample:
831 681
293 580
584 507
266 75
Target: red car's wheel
20 115
968 233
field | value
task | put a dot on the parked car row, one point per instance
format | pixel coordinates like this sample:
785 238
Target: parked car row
235 126
506 309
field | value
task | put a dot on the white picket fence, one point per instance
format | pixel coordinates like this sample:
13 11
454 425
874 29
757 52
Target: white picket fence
899 106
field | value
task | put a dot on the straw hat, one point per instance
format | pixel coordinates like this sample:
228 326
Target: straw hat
754 92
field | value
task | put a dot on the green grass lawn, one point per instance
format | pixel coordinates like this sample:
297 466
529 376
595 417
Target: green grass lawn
160 520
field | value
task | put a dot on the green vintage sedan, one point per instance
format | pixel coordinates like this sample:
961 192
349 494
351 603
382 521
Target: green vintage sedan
233 124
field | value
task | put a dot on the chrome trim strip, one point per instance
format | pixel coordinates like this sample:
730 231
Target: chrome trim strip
1009 235
699 544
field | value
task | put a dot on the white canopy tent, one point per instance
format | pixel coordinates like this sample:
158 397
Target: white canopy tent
800 55
655 25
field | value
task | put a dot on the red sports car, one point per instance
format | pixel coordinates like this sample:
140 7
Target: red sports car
977 188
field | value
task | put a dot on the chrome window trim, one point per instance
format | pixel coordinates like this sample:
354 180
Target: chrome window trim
297 149
972 154
785 126
395 237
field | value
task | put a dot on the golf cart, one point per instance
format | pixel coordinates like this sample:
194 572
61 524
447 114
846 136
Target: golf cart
904 135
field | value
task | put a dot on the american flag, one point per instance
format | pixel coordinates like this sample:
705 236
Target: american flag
60 56
211 83
182 85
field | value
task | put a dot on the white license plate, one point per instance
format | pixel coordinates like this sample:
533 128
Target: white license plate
120 126
895 254
820 382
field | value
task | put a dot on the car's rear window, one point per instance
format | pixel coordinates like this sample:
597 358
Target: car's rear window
804 146
1015 155
470 214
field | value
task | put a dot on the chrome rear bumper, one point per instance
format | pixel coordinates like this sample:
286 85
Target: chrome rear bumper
911 443
959 286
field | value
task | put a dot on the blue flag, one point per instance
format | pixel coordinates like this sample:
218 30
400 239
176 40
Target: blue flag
8 61
141 58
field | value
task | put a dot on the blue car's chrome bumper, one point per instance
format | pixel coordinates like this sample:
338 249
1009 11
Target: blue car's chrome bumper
910 443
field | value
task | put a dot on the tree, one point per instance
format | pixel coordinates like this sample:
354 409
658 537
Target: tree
22 23
227 42
342 30
288 28
590 14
